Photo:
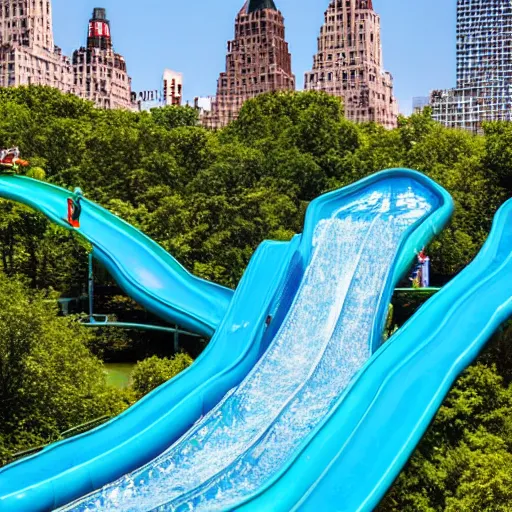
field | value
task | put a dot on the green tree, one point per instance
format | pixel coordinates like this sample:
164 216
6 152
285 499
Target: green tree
171 117
498 160
463 462
49 380
154 371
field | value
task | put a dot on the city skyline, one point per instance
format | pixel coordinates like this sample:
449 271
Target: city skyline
30 56
177 37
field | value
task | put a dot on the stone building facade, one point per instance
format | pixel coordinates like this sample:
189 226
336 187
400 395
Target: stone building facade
100 74
29 56
258 61
348 63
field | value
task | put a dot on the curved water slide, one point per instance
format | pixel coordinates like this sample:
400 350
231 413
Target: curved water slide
357 243
71 468
145 271
373 430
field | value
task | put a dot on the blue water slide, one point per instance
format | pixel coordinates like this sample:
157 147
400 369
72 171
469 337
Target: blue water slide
362 446
71 468
357 243
67 469
146 272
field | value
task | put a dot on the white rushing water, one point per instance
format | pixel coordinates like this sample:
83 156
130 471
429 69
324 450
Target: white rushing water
323 342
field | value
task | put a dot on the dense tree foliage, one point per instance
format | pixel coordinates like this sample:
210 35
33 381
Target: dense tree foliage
49 380
210 198
154 371
464 462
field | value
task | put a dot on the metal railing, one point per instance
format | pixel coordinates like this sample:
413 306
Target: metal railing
79 429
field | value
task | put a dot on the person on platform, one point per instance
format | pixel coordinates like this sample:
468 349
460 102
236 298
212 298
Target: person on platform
10 160
418 277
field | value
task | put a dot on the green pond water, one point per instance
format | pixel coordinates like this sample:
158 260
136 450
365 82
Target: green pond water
118 374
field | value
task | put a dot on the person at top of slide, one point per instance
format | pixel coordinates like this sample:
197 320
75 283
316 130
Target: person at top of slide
10 159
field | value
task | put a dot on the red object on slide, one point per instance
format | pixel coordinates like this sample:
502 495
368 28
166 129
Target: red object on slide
10 159
71 211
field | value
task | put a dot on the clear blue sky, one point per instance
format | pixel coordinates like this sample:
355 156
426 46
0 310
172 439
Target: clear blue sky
190 36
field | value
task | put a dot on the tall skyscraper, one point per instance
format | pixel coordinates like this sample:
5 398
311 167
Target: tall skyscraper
348 63
257 61
27 23
484 67
100 74
28 55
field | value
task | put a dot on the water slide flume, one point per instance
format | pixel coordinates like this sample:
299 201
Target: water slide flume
146 272
348 459
370 435
69 469
357 243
